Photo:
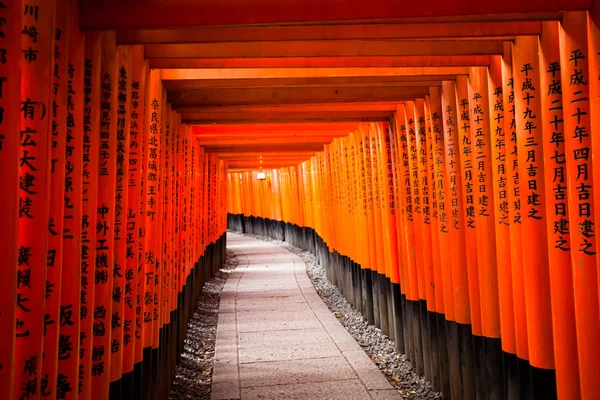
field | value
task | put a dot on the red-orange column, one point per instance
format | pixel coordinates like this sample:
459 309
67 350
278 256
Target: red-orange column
89 198
133 230
70 300
500 191
557 221
456 283
105 228
416 195
514 207
55 217
440 240
121 212
10 77
469 175
528 111
37 44
574 58
409 251
424 176
391 196
484 208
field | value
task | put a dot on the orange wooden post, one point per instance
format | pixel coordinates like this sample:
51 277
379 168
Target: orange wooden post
557 221
57 188
574 58
440 246
468 176
411 139
526 73
121 204
133 230
500 190
89 198
10 76
105 229
408 249
70 299
36 53
514 207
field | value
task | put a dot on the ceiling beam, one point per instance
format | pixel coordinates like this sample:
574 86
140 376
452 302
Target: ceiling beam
320 62
247 118
256 96
328 107
155 14
269 73
454 30
281 127
422 80
267 148
325 48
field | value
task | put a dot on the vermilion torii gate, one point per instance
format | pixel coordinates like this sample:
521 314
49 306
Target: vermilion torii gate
437 155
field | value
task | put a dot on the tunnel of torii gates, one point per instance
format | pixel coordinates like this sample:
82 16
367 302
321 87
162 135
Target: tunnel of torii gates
437 157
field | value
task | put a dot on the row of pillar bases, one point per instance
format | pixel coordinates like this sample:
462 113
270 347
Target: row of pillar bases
459 364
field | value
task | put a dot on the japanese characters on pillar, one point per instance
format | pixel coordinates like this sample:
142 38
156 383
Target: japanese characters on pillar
10 84
500 191
514 207
557 212
441 251
485 212
52 348
89 198
413 157
422 170
70 299
133 231
575 76
105 214
37 44
121 210
526 73
151 206
468 200
457 307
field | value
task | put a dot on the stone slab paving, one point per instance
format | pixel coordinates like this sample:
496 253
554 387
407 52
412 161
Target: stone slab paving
276 339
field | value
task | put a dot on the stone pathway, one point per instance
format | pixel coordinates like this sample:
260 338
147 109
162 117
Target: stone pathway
276 339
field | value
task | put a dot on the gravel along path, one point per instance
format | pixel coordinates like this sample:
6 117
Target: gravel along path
381 349
193 376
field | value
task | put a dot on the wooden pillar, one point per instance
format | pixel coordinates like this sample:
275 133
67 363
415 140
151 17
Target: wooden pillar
70 299
34 179
10 79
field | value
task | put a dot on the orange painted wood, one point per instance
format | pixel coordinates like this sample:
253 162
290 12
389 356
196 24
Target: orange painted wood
514 210
320 62
577 128
498 139
325 48
456 279
10 74
557 222
123 121
70 300
34 191
452 30
133 228
424 182
89 197
468 195
105 226
416 201
526 73
485 213
54 263
156 14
